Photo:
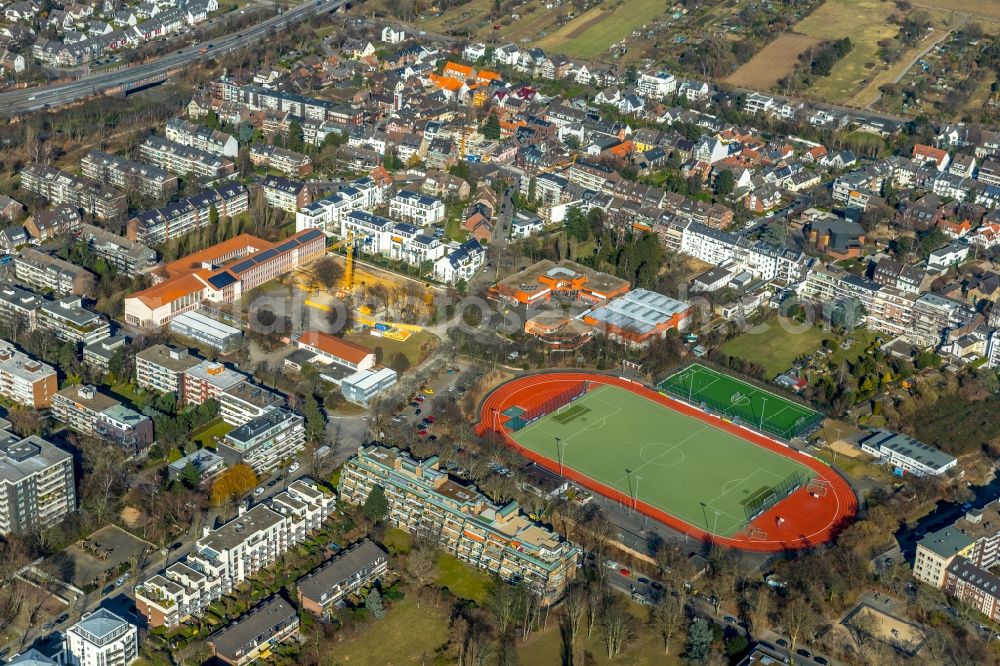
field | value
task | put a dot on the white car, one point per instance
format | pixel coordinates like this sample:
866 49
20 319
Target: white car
294 467
258 491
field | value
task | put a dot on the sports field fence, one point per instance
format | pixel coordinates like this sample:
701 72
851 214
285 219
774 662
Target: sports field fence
548 406
767 497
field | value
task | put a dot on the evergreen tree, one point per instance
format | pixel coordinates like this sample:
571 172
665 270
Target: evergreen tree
315 422
296 138
190 476
373 602
376 506
699 640
491 128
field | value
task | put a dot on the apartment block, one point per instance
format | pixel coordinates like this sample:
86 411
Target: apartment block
19 304
263 442
25 380
203 138
325 588
127 257
207 380
37 487
101 638
70 321
98 354
129 175
62 187
160 368
977 587
158 225
184 160
45 272
256 633
246 401
283 160
417 208
974 537
48 224
229 555
328 214
400 241
423 500
285 193
98 415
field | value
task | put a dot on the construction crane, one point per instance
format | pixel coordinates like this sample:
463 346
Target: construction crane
347 244
466 129
558 165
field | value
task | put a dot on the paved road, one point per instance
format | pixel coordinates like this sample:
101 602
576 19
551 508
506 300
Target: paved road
18 102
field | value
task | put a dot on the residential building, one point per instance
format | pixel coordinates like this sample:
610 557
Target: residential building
24 380
461 263
936 551
906 454
264 442
98 354
324 589
160 368
44 272
37 487
286 161
207 331
62 187
286 194
417 208
48 224
658 85
185 160
256 633
975 586
207 463
129 175
206 381
423 500
95 414
364 385
158 225
245 402
328 214
72 322
17 303
101 638
128 257
203 138
31 657
227 556
400 241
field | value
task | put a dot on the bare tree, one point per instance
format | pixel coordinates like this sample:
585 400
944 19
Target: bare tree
667 618
797 617
619 628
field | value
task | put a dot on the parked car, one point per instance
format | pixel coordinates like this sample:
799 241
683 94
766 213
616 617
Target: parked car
294 467
258 491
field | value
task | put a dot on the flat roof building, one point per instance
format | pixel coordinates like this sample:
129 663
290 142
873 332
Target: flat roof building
364 385
639 316
325 588
542 281
263 442
255 633
207 331
37 481
906 453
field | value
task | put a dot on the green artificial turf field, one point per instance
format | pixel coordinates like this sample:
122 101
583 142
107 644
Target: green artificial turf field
689 469
731 398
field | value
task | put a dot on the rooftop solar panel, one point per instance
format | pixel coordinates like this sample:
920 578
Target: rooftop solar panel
222 280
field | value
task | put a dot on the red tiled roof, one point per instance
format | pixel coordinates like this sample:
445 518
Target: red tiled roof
334 346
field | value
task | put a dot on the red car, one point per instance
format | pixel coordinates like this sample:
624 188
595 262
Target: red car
422 433
625 572
430 418
420 398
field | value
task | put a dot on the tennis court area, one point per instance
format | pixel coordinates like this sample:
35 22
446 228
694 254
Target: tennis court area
705 476
739 401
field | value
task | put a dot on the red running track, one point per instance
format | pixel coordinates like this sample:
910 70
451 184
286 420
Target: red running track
801 520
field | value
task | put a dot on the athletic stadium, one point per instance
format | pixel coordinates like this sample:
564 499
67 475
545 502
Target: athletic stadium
702 472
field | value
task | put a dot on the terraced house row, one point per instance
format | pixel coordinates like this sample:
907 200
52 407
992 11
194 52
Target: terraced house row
158 225
233 553
62 187
128 174
185 160
424 500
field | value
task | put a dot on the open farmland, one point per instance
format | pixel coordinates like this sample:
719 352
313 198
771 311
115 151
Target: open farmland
864 22
773 62
989 9
891 74
594 31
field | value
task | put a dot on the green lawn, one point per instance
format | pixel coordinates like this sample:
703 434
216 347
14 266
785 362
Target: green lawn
863 338
461 579
683 466
594 31
415 347
408 634
126 391
775 349
397 540
646 649
206 436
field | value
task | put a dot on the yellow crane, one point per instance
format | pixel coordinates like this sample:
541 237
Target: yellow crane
559 165
347 282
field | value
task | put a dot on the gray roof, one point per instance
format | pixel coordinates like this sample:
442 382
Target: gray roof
254 628
20 458
100 627
339 568
947 541
925 454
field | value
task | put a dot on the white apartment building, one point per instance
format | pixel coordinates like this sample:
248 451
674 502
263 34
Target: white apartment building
417 208
203 138
159 368
225 557
263 442
128 175
396 240
37 487
101 638
328 214
72 322
460 263
245 402
185 160
657 85
757 103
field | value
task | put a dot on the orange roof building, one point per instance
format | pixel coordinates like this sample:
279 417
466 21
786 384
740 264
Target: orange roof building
567 279
331 349
221 274
459 71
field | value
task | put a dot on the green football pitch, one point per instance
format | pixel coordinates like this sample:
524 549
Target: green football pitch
731 398
678 464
